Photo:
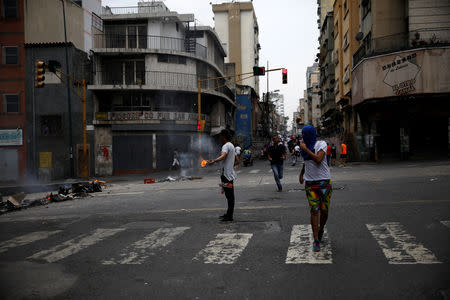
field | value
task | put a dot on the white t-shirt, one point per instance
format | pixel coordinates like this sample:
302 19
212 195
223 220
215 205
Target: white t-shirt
314 171
238 150
228 162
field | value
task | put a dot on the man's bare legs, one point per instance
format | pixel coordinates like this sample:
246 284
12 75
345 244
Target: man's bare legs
317 228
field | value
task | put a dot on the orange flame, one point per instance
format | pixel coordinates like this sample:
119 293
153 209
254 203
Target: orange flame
204 162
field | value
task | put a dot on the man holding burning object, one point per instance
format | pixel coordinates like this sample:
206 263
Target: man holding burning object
228 175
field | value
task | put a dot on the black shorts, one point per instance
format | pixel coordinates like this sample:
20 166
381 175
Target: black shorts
343 155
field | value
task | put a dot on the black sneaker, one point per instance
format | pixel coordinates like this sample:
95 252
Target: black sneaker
227 219
223 216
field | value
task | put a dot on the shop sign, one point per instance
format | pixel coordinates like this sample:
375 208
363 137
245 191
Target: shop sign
11 137
151 115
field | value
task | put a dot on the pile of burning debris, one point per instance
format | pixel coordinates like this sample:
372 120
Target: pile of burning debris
65 193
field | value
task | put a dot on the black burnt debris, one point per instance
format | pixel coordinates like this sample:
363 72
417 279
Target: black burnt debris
65 193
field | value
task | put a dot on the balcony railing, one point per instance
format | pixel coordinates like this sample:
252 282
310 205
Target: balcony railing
147 9
161 80
134 114
402 41
137 41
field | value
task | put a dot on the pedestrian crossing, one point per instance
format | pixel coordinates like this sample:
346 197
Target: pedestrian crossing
395 243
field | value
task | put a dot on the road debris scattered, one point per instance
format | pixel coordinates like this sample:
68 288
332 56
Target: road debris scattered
65 192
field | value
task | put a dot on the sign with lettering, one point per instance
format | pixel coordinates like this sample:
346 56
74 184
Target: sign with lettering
45 159
11 137
401 74
152 115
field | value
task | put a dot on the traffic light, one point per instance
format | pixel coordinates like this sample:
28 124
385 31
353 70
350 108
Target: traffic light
201 125
284 72
259 71
40 70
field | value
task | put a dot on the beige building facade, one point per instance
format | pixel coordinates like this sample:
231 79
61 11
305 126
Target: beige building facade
237 27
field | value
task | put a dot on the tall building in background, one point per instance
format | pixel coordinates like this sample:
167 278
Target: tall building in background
237 27
312 95
13 148
346 18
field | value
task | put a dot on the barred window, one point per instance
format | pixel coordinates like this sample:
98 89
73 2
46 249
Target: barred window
11 104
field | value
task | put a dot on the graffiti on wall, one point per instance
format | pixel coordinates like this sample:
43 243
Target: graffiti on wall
401 74
104 153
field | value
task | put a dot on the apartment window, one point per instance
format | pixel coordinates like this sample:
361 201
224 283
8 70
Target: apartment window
171 59
10 9
346 77
366 6
137 36
177 27
11 55
345 42
11 104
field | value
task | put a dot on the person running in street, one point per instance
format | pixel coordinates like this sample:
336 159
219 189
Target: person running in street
328 154
343 156
276 155
295 154
333 154
317 178
228 155
176 161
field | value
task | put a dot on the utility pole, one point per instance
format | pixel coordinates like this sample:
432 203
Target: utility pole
72 173
266 106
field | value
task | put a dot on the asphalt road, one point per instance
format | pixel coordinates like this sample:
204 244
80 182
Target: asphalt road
388 236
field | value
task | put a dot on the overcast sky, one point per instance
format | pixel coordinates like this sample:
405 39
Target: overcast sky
287 33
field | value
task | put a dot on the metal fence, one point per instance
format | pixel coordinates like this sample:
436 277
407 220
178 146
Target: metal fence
138 41
431 37
161 80
131 10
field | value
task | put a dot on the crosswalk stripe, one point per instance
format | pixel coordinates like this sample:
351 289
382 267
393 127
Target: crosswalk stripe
300 249
225 248
398 246
138 252
446 223
74 245
26 239
254 171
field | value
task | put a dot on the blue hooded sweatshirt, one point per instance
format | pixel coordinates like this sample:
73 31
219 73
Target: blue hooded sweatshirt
309 135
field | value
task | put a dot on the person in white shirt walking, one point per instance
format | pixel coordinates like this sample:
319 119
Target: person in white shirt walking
228 155
317 178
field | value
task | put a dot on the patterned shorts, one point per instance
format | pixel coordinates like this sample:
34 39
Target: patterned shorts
319 194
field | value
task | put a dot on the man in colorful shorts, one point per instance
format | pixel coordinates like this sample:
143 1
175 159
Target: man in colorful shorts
317 178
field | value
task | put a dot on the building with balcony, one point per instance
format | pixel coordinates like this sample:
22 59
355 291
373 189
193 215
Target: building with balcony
400 80
146 64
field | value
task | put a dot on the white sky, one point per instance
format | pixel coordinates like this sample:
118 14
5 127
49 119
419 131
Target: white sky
287 33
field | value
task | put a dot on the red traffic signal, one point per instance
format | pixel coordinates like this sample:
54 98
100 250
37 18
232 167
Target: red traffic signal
259 71
199 125
284 75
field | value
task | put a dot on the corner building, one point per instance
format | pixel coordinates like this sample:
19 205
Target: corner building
146 65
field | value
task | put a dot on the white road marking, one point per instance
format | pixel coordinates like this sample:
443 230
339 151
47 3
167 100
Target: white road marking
138 252
119 194
398 246
74 245
254 171
239 172
26 239
300 249
225 248
270 171
446 223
